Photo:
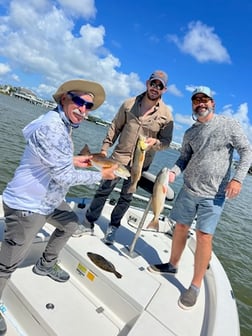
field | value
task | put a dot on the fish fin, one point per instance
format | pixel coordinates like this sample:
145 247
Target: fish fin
131 189
120 175
153 225
85 150
165 189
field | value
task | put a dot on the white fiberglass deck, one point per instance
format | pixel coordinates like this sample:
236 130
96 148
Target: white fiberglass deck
96 302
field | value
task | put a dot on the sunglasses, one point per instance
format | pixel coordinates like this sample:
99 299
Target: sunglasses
80 101
156 86
198 100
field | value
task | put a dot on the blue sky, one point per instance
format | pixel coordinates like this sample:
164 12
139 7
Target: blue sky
120 43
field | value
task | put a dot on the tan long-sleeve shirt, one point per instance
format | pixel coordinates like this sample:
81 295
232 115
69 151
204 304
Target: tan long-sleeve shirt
128 124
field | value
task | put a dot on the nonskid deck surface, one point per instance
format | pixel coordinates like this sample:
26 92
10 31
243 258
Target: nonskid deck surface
95 301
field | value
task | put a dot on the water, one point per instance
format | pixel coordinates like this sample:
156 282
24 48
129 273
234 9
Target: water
232 241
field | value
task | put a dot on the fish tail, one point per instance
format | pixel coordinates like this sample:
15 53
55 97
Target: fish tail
154 224
131 189
118 275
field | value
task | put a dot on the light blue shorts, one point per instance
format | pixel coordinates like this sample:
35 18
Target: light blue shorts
207 210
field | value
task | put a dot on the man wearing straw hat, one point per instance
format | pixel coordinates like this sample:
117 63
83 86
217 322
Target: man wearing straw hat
47 170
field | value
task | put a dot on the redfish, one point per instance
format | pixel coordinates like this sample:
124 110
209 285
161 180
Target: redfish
160 190
100 161
138 160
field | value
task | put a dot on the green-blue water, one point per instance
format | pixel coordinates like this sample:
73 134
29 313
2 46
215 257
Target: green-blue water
232 241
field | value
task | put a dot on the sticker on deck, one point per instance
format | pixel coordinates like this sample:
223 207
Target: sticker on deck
84 271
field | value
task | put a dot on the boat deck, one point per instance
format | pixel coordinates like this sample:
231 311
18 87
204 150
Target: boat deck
95 302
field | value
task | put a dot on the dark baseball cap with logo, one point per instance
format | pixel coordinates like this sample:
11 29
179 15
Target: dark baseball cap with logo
159 75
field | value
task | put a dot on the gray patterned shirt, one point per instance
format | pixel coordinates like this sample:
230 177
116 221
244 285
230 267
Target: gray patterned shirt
207 154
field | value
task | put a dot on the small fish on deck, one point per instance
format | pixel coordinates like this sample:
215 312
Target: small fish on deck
103 263
100 161
160 190
138 160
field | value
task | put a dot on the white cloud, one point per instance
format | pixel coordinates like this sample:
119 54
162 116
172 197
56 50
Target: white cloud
85 9
184 119
192 87
15 78
174 90
202 43
4 69
41 39
240 115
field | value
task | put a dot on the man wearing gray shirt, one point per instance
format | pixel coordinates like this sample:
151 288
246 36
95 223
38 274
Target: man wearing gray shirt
205 160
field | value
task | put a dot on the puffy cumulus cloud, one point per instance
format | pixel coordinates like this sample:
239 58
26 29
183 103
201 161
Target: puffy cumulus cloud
241 115
191 87
174 90
85 9
202 43
42 40
4 69
184 119
118 86
181 124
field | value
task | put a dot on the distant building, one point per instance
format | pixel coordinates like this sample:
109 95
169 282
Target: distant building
31 97
28 95
5 89
175 145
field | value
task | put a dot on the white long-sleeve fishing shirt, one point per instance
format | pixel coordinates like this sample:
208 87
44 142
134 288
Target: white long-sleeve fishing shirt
46 171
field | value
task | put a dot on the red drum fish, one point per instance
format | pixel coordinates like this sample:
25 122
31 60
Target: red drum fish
139 156
100 161
160 190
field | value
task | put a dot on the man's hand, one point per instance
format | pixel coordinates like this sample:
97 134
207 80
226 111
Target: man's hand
233 189
82 161
103 153
109 173
172 176
151 142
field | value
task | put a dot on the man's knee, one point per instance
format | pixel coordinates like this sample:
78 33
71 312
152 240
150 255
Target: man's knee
182 227
203 237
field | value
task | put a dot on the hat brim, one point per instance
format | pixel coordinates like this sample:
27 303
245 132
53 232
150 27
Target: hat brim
204 90
82 85
160 79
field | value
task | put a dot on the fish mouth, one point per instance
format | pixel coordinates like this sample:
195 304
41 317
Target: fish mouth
142 143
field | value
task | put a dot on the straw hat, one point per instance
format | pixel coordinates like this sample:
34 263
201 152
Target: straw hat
82 85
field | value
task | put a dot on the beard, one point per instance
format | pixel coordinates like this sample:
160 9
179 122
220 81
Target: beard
202 113
153 97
